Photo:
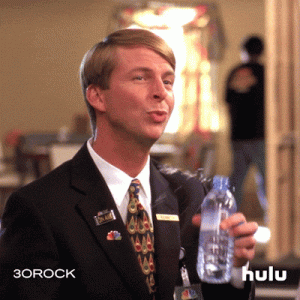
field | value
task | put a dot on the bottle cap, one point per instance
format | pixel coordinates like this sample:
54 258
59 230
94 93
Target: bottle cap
220 182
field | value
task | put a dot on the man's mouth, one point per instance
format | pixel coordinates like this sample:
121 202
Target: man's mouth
158 116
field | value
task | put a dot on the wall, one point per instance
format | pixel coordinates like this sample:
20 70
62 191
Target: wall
43 42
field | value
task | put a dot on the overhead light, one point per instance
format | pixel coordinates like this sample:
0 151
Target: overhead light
166 18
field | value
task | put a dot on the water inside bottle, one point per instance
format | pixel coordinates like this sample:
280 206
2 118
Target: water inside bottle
215 256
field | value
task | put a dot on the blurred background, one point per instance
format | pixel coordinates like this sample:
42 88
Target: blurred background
41 103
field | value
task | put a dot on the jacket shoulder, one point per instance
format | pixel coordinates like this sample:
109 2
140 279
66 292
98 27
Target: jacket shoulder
182 180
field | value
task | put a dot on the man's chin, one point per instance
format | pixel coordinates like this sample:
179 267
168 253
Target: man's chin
152 136
150 141
155 136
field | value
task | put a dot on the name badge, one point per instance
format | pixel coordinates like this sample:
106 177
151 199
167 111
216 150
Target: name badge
167 217
104 216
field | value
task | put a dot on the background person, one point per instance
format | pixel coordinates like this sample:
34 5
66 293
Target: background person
245 98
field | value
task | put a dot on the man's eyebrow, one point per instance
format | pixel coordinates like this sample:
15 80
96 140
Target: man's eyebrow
172 73
149 70
140 69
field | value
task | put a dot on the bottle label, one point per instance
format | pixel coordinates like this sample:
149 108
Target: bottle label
211 219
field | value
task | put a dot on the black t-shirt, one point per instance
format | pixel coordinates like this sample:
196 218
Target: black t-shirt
245 97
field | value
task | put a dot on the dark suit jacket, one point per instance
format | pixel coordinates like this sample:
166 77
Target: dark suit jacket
49 225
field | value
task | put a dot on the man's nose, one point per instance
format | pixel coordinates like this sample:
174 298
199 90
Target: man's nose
159 90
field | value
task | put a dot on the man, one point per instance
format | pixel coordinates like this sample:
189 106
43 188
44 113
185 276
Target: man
245 97
73 219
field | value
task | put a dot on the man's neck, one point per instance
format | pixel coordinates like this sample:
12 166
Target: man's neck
128 157
253 59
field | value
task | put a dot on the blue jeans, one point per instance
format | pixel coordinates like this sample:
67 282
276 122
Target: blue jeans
246 153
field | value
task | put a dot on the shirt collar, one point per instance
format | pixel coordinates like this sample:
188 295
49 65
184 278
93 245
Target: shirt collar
118 181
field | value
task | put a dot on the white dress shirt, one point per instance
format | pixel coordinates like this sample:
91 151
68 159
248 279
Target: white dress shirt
118 183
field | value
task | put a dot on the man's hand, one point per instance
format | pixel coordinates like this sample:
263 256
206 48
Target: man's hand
243 232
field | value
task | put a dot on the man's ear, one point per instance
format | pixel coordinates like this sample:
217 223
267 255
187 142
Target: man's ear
95 97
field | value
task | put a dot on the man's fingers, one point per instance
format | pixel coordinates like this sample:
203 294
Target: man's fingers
234 220
245 242
244 229
196 220
242 256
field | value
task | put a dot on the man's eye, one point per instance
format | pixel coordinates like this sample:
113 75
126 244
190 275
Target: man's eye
168 82
139 78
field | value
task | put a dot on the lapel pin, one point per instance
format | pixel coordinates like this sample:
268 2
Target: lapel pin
104 216
167 217
114 236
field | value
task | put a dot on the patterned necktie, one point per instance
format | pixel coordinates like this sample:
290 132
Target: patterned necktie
141 233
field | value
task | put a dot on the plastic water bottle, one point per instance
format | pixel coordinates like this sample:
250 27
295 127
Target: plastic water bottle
215 253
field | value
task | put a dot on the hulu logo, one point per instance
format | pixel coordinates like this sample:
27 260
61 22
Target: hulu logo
264 275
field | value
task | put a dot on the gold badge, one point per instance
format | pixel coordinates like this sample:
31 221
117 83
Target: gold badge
167 217
104 217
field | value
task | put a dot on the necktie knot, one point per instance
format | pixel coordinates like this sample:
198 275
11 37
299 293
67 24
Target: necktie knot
134 205
134 188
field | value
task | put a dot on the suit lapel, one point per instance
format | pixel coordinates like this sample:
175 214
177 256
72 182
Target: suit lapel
87 179
167 233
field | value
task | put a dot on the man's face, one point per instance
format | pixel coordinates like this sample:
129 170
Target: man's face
140 98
